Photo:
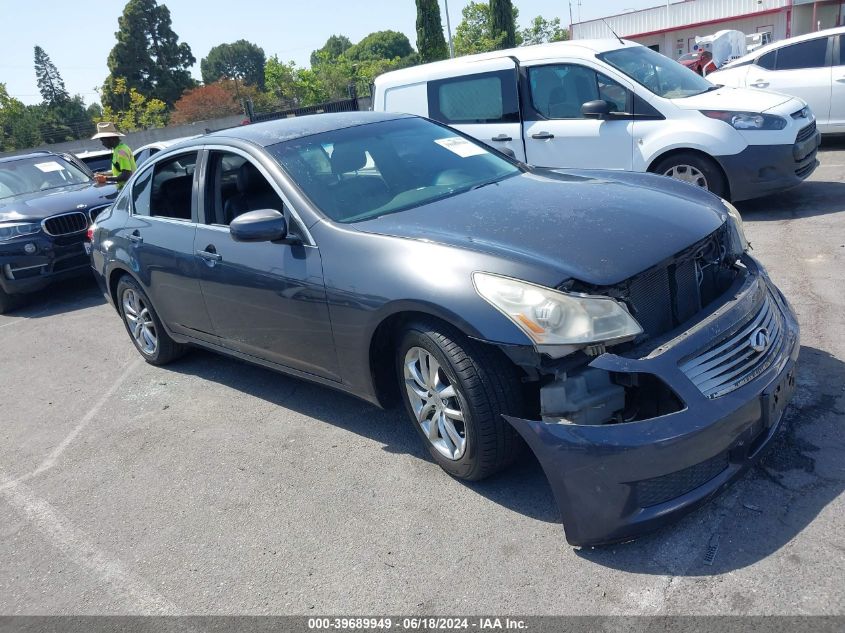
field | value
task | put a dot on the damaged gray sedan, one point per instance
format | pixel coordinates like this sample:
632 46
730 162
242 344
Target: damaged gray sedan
615 322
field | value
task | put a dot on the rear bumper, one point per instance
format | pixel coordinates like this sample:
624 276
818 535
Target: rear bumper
615 482
761 170
21 273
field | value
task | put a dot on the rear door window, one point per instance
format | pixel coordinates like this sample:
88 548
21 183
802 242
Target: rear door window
482 98
171 192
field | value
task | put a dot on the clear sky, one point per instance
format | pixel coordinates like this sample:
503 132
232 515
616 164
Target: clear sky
78 36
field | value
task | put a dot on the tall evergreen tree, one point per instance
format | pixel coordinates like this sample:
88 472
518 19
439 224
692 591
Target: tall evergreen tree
431 44
502 21
50 82
148 55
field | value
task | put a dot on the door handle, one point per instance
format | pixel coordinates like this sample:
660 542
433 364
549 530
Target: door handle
135 238
501 137
840 79
210 256
760 83
542 136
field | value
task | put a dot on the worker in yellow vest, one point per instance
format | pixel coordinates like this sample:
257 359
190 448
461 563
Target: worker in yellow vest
122 161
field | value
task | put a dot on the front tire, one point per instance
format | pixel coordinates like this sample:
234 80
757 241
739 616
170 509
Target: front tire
455 391
144 326
694 169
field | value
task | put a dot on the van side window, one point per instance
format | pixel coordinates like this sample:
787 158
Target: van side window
809 54
558 91
482 98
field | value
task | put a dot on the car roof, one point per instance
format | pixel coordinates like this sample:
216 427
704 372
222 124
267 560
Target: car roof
585 49
37 154
272 132
792 40
93 152
165 144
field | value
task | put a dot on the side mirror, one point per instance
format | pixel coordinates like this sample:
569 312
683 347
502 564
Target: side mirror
507 151
266 225
598 109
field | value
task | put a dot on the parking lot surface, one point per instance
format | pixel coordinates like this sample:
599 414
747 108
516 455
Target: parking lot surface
212 487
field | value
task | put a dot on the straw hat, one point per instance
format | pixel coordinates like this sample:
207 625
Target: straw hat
104 129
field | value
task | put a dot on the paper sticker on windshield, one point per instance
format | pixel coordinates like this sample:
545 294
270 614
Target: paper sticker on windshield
49 166
460 146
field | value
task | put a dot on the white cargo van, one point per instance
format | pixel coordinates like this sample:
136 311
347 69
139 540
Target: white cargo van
614 104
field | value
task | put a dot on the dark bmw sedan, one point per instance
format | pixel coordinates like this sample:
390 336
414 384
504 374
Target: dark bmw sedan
615 322
47 203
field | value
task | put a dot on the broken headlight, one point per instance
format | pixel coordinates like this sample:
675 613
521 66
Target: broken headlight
738 243
552 319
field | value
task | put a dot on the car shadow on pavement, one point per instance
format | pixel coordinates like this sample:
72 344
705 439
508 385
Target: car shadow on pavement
522 488
810 198
799 475
797 478
73 294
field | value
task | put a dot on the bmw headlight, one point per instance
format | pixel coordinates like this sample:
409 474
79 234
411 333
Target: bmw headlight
737 234
747 120
553 318
11 230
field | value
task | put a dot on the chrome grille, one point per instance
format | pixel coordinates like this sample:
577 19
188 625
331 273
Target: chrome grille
806 132
65 224
732 362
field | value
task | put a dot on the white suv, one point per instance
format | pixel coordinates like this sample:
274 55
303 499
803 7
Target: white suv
810 66
613 104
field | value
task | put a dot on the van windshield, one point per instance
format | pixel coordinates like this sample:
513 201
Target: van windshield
657 73
358 173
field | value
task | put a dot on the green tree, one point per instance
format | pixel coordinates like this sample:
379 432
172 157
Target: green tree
241 61
148 56
475 32
50 82
334 47
381 45
541 31
503 20
430 41
137 112
19 124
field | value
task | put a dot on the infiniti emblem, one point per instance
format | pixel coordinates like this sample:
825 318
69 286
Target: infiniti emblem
759 339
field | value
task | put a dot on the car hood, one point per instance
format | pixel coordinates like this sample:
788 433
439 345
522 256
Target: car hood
42 204
740 99
598 227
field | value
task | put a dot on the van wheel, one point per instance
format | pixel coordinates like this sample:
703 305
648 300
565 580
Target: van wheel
455 391
694 169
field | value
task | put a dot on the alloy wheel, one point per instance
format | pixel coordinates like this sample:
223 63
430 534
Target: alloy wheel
434 400
140 322
687 173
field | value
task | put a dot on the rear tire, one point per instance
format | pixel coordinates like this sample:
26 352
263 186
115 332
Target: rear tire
455 391
144 326
694 169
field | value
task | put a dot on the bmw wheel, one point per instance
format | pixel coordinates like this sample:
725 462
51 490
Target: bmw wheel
144 326
455 391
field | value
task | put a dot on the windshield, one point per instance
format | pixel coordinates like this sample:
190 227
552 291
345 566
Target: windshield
38 174
657 73
363 172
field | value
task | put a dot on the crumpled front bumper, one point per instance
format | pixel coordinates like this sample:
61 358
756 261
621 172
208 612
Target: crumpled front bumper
614 482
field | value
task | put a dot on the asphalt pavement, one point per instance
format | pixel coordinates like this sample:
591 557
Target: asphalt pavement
214 487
